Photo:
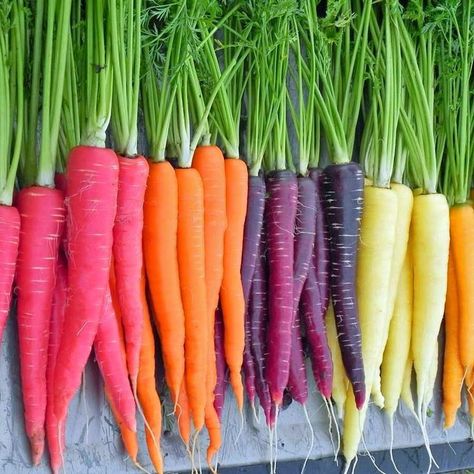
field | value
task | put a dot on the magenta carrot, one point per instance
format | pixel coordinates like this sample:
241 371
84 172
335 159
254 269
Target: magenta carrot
42 219
221 366
91 197
128 255
55 441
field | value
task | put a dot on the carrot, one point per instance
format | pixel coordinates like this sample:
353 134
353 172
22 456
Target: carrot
128 255
209 162
183 415
146 386
462 253
91 200
191 262
55 440
406 394
42 217
161 262
232 297
453 372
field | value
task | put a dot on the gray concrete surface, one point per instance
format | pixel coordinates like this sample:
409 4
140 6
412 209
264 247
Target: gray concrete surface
94 446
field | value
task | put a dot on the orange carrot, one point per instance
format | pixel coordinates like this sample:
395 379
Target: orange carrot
146 387
232 297
183 415
191 263
462 246
161 263
209 162
452 371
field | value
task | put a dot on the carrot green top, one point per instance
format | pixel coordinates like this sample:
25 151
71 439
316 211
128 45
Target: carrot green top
304 77
340 59
268 24
125 38
379 140
12 54
45 82
452 24
97 83
418 130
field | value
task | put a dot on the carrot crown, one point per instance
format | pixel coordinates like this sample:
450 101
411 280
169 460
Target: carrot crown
45 81
125 38
98 80
378 146
452 26
12 54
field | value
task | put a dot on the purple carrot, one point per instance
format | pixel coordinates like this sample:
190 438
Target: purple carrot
282 188
297 381
312 315
343 200
219 391
321 242
252 231
258 312
249 363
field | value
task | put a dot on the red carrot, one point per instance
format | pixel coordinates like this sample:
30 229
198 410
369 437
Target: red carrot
91 199
55 443
128 255
10 232
42 219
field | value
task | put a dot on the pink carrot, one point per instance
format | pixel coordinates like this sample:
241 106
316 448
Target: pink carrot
42 216
55 443
128 255
91 200
10 232
113 365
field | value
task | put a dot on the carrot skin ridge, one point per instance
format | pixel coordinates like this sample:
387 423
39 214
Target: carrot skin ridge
128 254
221 366
231 294
280 221
258 311
191 263
91 201
112 363
10 232
42 216
343 201
161 263
321 242
55 445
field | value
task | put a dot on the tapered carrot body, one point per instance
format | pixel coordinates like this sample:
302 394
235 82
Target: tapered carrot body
42 216
209 162
10 232
161 262
146 387
453 371
110 355
377 240
56 441
430 249
232 296
91 200
191 263
128 255
397 350
183 415
462 253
